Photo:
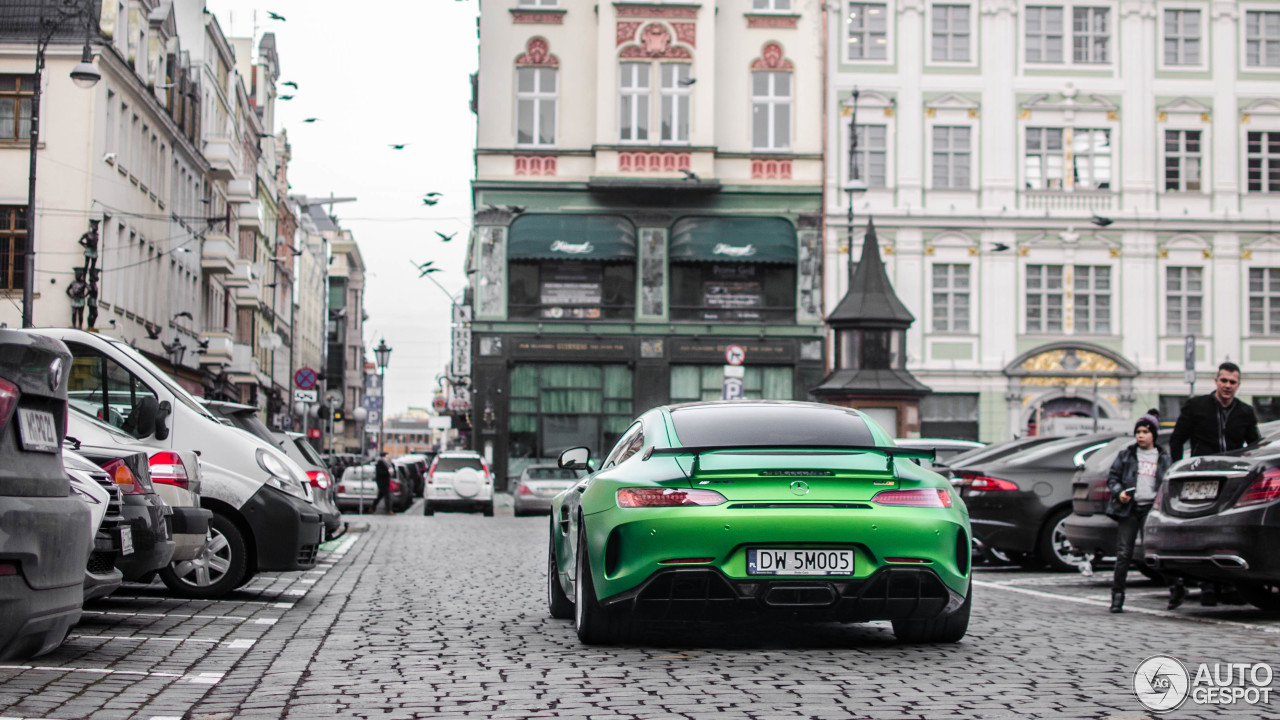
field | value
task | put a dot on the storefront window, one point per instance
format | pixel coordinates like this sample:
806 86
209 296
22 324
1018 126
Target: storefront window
555 407
733 292
570 290
691 383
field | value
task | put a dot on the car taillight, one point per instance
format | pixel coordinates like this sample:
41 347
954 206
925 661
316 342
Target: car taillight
667 497
167 468
1100 491
922 497
8 398
318 478
524 489
342 488
1263 490
121 475
982 482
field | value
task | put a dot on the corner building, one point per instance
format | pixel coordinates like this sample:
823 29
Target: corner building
647 193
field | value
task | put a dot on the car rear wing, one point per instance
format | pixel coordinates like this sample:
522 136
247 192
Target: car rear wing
889 453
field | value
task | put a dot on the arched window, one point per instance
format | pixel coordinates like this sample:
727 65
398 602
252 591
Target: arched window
536 92
655 82
771 93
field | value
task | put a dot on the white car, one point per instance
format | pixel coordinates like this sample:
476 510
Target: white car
458 480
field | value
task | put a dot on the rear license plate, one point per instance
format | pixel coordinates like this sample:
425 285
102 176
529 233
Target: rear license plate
799 562
38 431
126 540
1199 490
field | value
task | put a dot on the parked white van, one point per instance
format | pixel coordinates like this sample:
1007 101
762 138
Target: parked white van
263 519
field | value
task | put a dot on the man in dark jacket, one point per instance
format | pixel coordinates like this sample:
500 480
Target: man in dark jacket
382 476
1217 422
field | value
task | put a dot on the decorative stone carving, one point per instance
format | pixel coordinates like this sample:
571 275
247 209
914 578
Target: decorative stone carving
653 161
686 33
657 11
535 165
537 53
626 32
655 42
787 22
770 169
537 17
772 58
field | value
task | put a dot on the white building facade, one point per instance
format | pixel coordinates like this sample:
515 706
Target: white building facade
1063 193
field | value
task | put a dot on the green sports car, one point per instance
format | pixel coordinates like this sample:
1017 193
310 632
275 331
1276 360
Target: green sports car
738 510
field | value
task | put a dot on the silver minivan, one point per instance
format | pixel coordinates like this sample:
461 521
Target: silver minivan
263 519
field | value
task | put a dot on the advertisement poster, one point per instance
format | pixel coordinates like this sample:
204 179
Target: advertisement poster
572 291
731 292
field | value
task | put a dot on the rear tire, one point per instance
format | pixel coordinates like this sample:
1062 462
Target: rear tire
488 509
217 570
1054 550
1260 595
945 629
558 603
595 624
426 508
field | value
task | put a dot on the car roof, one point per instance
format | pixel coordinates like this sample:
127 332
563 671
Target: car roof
460 453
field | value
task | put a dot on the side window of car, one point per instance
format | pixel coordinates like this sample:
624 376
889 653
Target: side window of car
633 447
616 455
104 388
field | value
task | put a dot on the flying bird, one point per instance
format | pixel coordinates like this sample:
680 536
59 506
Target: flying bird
1101 221
444 237
999 247
184 314
689 174
286 97
275 16
428 201
425 268
153 334
398 146
204 344
433 194
515 209
687 83
291 84
311 120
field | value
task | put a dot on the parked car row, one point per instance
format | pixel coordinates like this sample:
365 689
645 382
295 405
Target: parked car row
113 472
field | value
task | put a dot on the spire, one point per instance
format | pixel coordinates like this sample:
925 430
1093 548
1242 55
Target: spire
871 300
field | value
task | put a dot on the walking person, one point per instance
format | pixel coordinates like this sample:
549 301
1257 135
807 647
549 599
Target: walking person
1133 480
382 476
1213 424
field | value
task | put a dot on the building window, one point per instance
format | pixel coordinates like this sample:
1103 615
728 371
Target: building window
1264 161
676 96
733 292
1044 298
1090 35
771 5
634 107
770 110
535 106
1044 34
1184 300
951 158
951 298
537 3
871 157
949 415
1044 159
1092 299
13 243
1264 301
868 37
16 92
555 406
1182 160
951 33
1090 159
569 290
691 383
1181 37
1262 39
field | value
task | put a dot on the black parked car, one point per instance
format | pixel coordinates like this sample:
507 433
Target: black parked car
988 453
147 516
47 532
1217 518
1018 503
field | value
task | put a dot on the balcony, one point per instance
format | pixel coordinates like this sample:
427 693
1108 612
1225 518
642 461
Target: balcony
241 275
1059 201
241 190
251 216
219 349
217 255
244 366
247 296
223 157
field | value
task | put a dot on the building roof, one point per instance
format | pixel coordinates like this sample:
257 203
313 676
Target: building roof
870 382
871 300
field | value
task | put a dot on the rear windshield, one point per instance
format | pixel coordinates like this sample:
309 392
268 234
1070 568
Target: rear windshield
552 474
744 425
452 464
308 452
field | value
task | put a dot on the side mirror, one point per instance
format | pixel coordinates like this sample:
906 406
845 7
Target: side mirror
162 416
575 458
141 422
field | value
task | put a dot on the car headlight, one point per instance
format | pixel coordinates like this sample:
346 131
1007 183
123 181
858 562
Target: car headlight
279 477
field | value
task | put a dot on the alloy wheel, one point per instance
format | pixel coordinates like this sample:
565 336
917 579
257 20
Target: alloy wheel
210 565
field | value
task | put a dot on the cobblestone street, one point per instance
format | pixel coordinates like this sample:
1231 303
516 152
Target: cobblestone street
444 616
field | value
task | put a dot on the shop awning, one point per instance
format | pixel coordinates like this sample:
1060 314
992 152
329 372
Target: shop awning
733 239
572 237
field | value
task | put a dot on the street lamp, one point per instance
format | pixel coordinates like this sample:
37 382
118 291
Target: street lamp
382 354
85 75
855 183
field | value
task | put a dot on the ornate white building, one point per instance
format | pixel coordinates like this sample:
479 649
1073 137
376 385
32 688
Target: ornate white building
1063 192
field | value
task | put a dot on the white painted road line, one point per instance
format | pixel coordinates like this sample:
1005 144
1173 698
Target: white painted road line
237 643
237 618
205 678
136 598
94 671
1144 611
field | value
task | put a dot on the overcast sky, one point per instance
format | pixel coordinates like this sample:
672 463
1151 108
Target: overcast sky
374 74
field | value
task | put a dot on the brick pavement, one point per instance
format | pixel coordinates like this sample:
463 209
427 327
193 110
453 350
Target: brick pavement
444 617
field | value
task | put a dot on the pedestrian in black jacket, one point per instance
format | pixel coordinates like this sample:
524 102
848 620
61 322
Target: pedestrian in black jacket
1134 478
382 476
1217 422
